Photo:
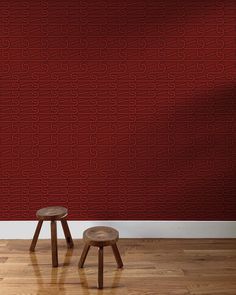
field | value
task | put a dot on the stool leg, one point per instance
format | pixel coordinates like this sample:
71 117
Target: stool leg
67 233
54 243
36 235
117 256
84 255
100 268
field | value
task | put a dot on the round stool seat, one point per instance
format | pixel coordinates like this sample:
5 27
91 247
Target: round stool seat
52 213
101 236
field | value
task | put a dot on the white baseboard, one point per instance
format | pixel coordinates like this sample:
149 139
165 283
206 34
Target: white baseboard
127 229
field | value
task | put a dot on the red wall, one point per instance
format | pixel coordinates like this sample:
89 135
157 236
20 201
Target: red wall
118 109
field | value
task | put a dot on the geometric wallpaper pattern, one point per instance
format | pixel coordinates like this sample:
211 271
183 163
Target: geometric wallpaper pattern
118 109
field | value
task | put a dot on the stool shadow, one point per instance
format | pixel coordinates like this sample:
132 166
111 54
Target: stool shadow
55 279
115 285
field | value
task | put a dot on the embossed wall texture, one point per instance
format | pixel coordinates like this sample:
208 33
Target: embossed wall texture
118 109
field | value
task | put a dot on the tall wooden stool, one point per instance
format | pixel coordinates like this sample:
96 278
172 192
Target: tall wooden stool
100 236
53 214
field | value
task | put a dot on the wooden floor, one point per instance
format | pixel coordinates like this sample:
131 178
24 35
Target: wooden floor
151 267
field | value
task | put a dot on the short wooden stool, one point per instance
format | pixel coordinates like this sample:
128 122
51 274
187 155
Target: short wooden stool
53 214
100 236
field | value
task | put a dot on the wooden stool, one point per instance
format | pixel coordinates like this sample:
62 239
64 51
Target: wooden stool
53 214
100 236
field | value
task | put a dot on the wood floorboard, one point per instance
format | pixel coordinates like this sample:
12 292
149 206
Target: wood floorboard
151 267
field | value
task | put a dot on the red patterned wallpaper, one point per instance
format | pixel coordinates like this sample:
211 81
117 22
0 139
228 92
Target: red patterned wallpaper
118 109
